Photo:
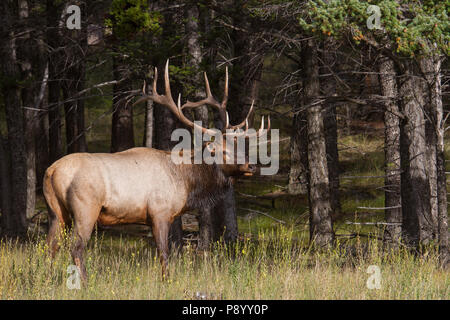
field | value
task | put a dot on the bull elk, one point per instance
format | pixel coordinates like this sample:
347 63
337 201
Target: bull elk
139 185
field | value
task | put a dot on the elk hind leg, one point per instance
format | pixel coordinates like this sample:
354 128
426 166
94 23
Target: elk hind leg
57 217
83 226
54 235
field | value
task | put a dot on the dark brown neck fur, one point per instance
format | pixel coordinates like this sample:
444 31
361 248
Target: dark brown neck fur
206 184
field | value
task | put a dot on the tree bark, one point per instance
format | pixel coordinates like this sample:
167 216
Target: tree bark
392 195
415 188
228 228
74 83
321 226
14 119
149 125
30 68
247 68
298 175
328 87
5 181
225 218
122 135
195 60
54 89
431 68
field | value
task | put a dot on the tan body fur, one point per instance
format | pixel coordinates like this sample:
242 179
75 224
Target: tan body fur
139 185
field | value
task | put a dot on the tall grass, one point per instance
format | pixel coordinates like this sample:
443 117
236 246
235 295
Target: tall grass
272 265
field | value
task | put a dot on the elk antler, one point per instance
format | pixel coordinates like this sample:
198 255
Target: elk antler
245 132
167 101
221 107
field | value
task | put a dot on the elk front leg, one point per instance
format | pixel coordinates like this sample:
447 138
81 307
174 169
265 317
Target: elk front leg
160 229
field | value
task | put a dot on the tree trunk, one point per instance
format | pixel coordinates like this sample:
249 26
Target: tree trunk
30 68
42 147
225 219
298 175
195 60
321 226
54 88
14 120
82 144
7 224
330 128
149 124
431 68
74 108
228 228
122 135
415 187
208 219
247 68
328 86
74 83
392 196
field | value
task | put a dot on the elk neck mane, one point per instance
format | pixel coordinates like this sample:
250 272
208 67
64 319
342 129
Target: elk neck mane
206 184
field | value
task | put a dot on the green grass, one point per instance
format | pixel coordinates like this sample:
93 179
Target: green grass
273 265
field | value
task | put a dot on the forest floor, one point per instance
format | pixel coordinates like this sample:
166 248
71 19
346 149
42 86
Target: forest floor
270 261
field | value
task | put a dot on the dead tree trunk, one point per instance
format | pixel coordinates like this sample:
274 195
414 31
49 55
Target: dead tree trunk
321 226
393 214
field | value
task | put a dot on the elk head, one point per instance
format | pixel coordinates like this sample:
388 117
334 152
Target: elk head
229 132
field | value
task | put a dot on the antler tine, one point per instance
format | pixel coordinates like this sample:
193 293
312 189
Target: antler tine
225 94
168 93
254 134
207 88
143 88
227 123
240 125
208 100
155 79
